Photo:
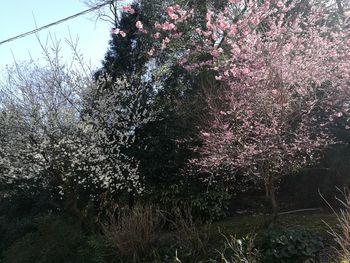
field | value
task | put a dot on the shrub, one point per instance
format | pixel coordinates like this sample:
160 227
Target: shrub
191 237
284 246
97 249
56 240
133 233
207 203
59 239
213 205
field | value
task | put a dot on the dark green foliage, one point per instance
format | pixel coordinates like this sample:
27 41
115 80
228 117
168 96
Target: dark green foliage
58 239
97 249
127 55
169 142
207 204
212 205
11 230
55 240
284 246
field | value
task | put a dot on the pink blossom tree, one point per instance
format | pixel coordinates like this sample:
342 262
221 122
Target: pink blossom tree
284 70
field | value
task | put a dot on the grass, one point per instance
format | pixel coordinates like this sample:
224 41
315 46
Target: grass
244 224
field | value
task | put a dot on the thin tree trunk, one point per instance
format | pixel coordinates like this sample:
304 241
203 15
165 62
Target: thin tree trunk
274 205
270 192
71 205
131 200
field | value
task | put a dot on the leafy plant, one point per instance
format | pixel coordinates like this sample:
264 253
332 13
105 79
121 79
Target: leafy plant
289 245
212 205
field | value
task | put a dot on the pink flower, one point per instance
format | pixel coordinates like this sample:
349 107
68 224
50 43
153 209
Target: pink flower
339 114
218 77
139 25
206 134
209 15
333 53
209 20
216 52
280 4
115 31
165 42
128 9
246 71
233 31
177 35
214 37
223 24
170 10
210 25
235 50
255 21
182 62
165 26
168 26
234 1
122 33
157 25
151 51
171 13
301 91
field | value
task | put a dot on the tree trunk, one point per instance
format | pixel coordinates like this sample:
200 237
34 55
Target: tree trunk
71 205
131 200
274 205
270 192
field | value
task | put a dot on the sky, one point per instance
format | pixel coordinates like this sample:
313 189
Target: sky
20 16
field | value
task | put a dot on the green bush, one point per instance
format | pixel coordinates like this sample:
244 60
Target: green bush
11 230
284 246
206 204
97 249
213 205
58 239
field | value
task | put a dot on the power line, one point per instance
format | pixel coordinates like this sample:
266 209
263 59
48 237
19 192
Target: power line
53 23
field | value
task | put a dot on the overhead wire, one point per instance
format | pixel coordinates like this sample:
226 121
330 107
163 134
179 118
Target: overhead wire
54 23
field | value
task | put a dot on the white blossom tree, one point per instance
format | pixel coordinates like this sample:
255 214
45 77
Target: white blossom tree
48 131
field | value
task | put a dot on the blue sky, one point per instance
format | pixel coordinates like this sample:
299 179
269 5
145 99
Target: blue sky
17 16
